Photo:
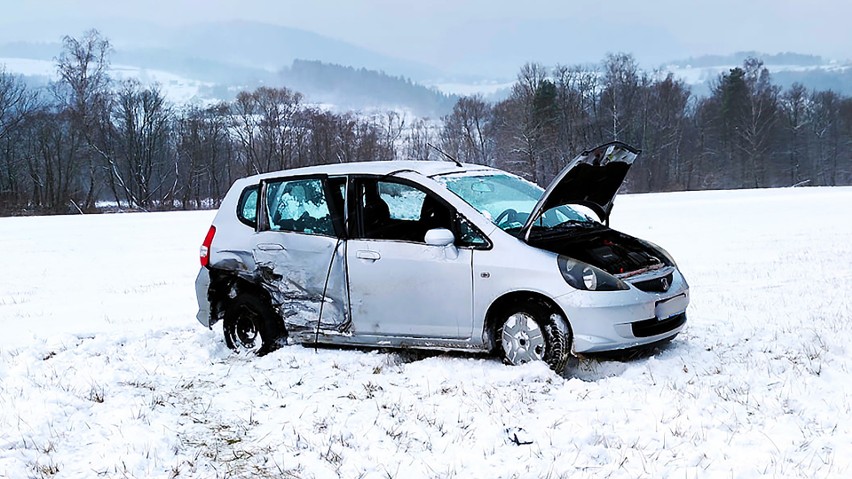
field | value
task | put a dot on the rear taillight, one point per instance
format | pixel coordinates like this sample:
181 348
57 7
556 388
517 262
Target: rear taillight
205 246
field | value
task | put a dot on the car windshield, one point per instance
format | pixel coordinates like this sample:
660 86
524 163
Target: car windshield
507 200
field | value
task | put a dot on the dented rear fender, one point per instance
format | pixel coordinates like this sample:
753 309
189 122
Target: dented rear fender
240 262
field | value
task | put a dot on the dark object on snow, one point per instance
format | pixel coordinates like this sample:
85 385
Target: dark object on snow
518 436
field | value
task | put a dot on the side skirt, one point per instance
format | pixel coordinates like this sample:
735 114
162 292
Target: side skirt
327 337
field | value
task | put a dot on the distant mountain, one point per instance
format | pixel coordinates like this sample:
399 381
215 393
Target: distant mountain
271 47
358 88
155 58
210 49
201 66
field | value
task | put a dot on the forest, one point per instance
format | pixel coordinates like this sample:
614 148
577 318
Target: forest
348 87
88 143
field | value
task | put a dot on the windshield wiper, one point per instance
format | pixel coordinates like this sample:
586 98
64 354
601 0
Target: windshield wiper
572 222
579 227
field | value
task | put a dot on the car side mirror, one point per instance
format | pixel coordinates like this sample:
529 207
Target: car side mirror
440 237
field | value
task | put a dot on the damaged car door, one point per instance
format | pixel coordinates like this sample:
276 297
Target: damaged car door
407 277
298 251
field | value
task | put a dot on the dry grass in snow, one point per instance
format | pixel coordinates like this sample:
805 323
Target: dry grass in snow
104 371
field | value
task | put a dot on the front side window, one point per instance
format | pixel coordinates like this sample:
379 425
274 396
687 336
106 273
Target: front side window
405 202
399 211
299 206
469 235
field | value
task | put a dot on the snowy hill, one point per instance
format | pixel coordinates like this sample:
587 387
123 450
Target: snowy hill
786 68
238 44
177 89
213 61
104 370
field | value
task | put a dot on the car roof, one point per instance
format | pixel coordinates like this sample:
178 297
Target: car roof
425 168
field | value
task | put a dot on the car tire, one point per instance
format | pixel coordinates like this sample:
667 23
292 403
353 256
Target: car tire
251 325
534 332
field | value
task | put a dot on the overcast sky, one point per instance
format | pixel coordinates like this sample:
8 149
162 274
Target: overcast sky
458 33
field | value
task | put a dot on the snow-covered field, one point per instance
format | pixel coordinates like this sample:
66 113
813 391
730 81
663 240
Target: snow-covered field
104 370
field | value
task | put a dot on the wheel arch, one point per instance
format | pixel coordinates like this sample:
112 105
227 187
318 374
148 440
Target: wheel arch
502 305
225 285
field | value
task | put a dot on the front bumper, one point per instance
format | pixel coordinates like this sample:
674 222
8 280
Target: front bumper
614 320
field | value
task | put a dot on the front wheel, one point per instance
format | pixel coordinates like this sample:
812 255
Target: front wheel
532 332
250 324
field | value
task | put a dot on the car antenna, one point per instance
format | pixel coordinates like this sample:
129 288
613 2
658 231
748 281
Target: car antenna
451 157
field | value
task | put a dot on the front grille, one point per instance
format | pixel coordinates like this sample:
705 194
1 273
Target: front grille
655 285
653 327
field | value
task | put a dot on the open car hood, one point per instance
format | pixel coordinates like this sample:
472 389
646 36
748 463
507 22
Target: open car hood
591 179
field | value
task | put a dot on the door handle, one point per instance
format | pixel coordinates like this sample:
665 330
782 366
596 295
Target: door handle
368 255
270 247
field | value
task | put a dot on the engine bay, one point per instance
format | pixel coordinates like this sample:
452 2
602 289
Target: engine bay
612 251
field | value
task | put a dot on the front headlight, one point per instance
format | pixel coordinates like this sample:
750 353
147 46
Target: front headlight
587 277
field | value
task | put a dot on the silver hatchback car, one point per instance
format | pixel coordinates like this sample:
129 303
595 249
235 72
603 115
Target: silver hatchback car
437 255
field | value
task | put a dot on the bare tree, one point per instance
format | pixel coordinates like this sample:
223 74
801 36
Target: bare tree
142 164
824 120
51 154
331 138
578 95
393 125
204 155
843 169
465 134
761 118
620 98
527 123
17 104
263 125
664 119
794 105
420 141
83 90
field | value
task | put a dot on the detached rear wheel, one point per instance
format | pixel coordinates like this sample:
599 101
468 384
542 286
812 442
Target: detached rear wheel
251 325
532 332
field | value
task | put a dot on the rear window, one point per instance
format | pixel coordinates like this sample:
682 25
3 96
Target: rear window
247 206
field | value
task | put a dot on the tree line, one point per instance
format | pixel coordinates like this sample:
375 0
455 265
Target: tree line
88 142
747 133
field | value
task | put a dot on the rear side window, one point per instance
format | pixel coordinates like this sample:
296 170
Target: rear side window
247 206
299 206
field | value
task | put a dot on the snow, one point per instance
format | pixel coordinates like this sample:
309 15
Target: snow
104 370
177 89
29 67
